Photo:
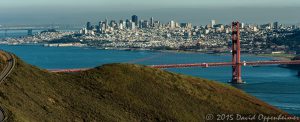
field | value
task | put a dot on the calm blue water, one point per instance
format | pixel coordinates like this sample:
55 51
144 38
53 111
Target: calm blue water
277 86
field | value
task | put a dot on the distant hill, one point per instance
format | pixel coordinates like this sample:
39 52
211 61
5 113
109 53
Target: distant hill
119 92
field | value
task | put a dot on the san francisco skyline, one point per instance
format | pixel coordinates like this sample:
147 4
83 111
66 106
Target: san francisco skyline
194 11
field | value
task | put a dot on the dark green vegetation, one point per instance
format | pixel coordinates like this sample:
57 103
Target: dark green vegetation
296 66
292 41
119 92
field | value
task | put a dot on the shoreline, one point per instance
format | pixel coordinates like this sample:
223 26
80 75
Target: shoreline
275 56
278 56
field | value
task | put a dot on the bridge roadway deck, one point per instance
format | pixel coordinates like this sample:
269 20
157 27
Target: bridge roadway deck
216 64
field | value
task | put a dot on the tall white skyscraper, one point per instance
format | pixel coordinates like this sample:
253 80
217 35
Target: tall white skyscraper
172 24
213 23
242 25
132 25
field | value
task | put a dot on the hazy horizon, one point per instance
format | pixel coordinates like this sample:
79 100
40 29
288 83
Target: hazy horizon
195 11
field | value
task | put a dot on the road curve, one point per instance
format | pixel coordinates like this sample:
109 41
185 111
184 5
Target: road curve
10 64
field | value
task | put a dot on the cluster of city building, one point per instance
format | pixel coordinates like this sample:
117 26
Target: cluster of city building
152 34
136 33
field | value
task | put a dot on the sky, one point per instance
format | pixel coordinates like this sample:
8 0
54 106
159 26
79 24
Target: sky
196 11
146 3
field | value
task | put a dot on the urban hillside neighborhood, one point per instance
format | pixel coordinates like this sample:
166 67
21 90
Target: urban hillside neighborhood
135 33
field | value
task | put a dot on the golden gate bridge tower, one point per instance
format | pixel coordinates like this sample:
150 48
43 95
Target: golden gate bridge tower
236 54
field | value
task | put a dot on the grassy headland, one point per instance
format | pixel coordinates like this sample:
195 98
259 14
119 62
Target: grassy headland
119 92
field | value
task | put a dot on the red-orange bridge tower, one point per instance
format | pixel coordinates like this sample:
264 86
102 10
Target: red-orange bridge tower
236 54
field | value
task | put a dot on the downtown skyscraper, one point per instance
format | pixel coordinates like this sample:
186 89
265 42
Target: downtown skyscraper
135 19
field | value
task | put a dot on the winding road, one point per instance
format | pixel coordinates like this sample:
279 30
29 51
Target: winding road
10 64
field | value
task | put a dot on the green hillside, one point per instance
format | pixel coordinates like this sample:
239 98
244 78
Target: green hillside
119 92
